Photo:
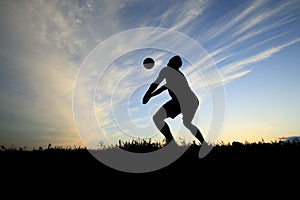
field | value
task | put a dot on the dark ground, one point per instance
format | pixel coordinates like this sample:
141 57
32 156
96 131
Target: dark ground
268 168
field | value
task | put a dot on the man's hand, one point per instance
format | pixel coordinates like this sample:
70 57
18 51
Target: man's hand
148 94
146 98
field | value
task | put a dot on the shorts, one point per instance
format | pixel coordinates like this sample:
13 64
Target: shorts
172 109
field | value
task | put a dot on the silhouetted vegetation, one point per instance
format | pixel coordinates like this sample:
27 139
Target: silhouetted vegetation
242 162
140 145
147 145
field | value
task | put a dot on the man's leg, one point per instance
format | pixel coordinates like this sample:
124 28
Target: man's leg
188 113
194 130
158 119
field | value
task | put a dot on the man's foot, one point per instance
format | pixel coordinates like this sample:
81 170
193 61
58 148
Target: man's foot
205 149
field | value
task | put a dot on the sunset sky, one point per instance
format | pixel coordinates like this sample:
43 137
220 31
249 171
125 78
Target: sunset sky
255 46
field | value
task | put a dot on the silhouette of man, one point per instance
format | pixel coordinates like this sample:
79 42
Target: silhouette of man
183 99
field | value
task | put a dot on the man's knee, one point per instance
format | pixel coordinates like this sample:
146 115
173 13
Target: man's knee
187 123
157 118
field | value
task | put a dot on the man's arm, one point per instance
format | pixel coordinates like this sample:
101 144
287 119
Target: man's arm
153 87
148 94
159 90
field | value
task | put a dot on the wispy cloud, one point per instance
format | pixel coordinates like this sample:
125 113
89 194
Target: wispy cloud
228 22
264 14
240 68
38 54
222 49
179 14
235 66
261 22
43 44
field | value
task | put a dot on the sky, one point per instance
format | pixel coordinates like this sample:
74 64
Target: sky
254 45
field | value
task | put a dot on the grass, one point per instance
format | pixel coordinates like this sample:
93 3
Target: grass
148 145
231 156
244 151
232 165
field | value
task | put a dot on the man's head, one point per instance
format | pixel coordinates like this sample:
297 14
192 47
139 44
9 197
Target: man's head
175 62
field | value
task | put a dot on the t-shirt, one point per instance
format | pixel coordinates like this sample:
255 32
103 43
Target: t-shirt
177 85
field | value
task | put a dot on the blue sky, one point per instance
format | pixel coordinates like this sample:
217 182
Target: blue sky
254 44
